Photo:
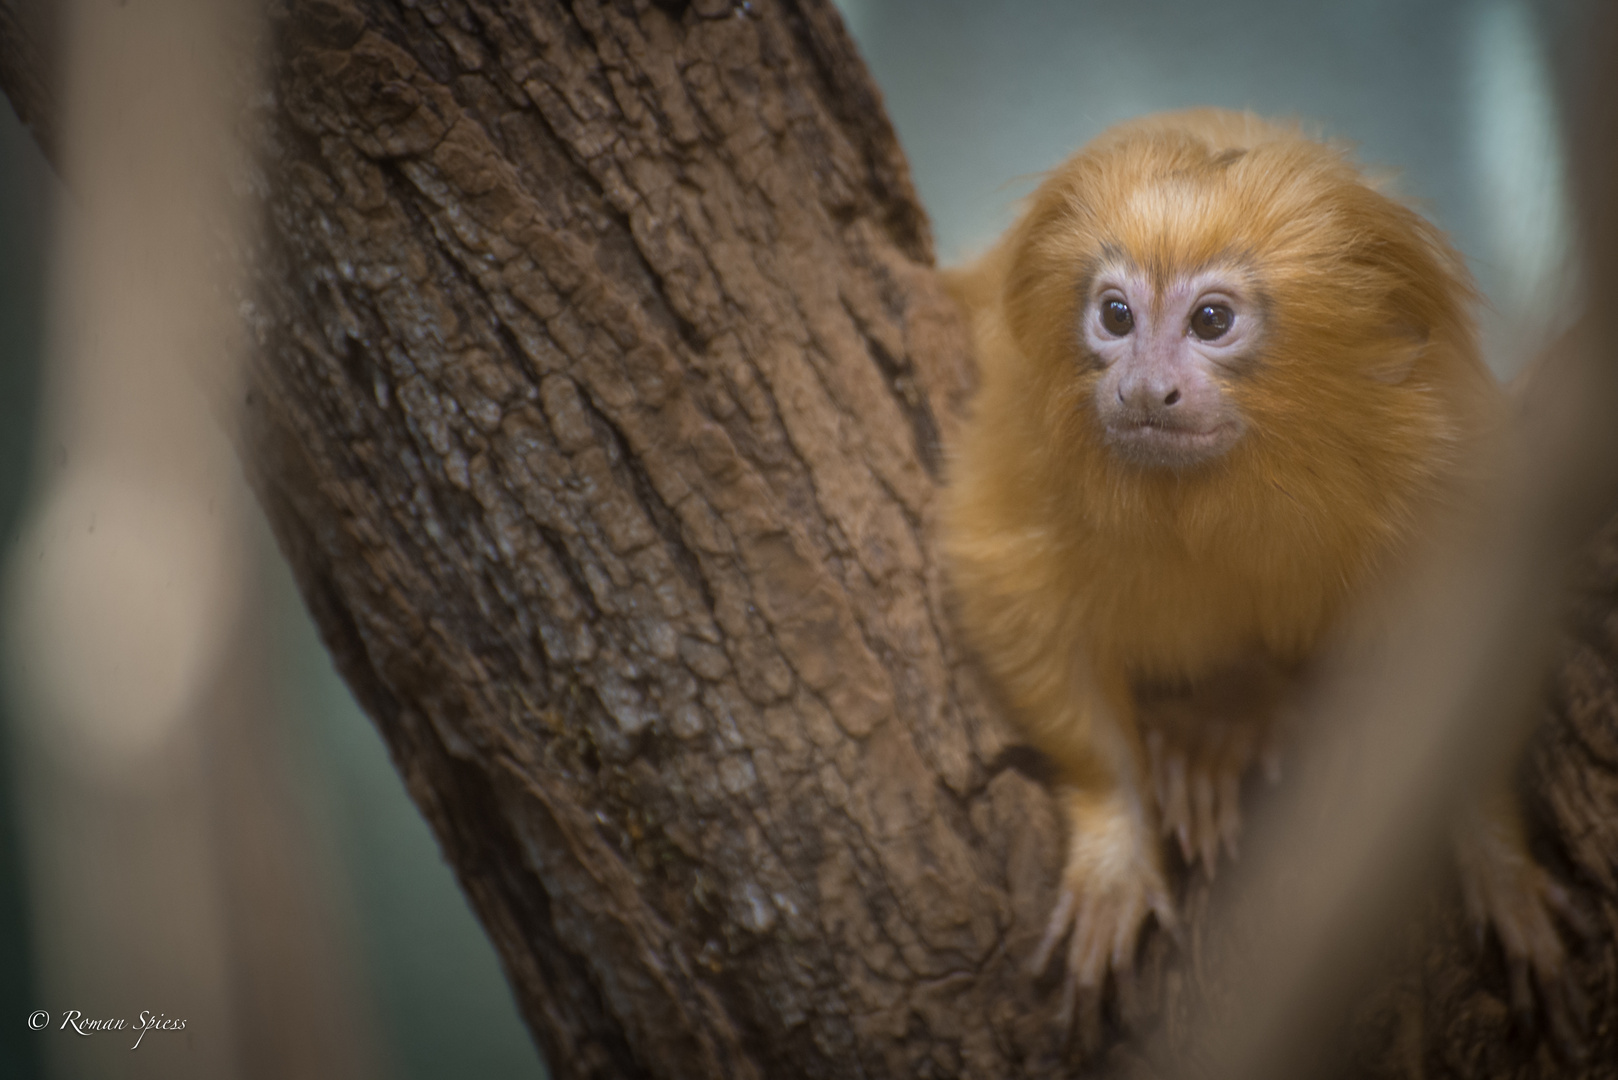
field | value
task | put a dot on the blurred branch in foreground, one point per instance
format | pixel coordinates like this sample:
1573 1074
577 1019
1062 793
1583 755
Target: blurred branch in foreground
1338 865
169 874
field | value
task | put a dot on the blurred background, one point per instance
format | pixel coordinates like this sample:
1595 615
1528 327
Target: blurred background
241 854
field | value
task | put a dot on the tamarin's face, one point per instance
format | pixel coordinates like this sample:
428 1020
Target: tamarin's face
1165 345
1186 309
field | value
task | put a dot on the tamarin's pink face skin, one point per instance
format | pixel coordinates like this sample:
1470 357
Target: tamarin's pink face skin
1168 350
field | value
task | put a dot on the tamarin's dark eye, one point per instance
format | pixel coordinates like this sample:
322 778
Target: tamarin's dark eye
1212 321
1116 317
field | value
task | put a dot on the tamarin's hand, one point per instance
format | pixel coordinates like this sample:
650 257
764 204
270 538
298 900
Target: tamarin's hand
1111 883
1504 888
1229 390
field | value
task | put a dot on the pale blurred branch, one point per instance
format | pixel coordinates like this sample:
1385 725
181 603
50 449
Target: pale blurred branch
1337 869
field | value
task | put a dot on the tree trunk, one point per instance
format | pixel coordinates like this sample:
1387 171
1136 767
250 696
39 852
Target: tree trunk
599 415
603 382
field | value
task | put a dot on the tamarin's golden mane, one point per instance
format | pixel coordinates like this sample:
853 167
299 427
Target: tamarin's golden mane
1365 400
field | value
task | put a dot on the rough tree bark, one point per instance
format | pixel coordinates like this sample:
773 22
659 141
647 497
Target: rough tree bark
599 416
603 382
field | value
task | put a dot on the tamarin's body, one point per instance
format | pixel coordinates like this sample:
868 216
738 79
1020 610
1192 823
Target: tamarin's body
1228 390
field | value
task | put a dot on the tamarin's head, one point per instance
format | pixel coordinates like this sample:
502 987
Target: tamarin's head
1197 284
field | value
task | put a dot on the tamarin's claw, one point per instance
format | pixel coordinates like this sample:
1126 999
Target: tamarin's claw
1102 936
1197 775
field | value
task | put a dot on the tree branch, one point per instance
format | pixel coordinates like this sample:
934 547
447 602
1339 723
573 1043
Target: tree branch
597 419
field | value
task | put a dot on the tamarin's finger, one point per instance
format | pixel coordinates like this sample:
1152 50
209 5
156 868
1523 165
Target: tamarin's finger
1055 930
1177 808
1522 998
1568 1010
1230 810
1577 920
1207 825
1162 905
1271 759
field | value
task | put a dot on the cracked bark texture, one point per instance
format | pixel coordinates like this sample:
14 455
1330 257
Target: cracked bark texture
599 412
602 385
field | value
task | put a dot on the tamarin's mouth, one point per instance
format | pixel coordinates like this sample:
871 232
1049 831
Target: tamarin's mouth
1156 445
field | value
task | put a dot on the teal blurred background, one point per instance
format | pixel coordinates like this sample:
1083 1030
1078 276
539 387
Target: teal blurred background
25 192
1457 96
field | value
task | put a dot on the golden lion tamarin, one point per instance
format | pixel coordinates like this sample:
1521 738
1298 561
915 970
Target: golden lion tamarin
1228 388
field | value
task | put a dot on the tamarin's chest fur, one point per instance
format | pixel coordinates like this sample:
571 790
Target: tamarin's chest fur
1170 578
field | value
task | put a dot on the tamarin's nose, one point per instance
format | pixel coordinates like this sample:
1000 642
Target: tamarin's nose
1149 395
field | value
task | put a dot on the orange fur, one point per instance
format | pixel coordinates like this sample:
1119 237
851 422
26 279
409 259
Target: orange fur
1080 576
